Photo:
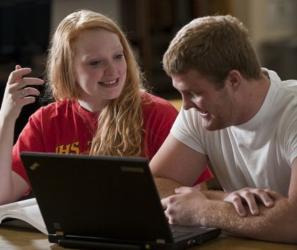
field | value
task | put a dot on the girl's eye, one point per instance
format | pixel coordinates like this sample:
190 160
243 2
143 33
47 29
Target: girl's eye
119 56
95 63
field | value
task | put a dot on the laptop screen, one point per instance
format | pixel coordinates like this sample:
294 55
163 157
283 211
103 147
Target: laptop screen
109 197
101 201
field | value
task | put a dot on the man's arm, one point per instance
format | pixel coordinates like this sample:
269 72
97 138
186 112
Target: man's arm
279 223
176 164
165 186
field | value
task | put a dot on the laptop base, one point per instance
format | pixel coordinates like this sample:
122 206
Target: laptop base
92 243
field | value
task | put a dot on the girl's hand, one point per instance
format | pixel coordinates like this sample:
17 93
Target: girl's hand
19 92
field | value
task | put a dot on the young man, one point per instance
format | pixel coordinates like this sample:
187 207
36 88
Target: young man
242 121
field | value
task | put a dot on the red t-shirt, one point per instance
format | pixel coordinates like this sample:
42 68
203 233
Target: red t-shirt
66 127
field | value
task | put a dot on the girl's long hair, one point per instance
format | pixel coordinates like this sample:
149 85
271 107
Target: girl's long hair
120 123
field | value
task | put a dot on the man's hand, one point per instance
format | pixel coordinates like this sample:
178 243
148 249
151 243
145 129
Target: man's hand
248 200
183 207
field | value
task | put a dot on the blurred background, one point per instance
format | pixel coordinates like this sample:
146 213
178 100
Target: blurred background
26 27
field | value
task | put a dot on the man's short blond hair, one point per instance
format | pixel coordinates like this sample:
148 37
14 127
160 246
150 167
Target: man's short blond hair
213 46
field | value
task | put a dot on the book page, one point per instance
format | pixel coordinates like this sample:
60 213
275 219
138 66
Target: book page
25 210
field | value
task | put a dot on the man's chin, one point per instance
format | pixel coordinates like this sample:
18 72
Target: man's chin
210 126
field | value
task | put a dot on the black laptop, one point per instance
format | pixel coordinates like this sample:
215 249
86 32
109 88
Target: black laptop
104 203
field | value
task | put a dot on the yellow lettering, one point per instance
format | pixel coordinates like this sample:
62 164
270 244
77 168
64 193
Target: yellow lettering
69 148
74 148
63 149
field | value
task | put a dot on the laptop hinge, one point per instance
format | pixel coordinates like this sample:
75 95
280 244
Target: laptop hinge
160 241
85 244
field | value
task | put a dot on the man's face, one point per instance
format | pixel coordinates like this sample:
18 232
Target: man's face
215 106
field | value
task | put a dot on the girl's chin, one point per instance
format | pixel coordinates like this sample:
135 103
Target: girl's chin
111 96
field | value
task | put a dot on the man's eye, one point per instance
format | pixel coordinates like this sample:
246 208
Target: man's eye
195 95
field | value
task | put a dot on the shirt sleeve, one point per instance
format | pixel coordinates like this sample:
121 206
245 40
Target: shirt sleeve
159 116
187 130
290 140
30 139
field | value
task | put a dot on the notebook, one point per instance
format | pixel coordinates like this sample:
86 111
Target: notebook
104 202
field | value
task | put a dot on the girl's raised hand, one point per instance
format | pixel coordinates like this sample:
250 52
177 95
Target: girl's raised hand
19 92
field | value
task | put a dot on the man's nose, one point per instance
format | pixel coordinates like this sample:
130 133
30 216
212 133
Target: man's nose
187 104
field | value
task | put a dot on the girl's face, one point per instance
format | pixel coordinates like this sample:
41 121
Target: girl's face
100 68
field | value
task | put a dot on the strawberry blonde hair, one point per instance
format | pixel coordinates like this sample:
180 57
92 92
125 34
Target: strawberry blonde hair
120 123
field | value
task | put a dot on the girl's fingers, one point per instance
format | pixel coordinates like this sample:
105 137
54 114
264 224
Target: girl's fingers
18 74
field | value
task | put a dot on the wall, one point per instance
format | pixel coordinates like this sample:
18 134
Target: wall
62 8
271 25
273 31
267 20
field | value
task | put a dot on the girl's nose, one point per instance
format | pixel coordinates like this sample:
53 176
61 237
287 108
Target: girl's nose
110 69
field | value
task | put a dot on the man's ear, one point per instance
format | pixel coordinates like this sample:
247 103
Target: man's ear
234 79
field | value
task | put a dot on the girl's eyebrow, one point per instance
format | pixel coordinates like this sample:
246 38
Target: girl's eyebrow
96 57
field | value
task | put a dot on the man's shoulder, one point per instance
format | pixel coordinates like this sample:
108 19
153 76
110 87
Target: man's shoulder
288 84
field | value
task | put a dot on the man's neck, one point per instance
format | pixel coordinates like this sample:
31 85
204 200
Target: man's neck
255 96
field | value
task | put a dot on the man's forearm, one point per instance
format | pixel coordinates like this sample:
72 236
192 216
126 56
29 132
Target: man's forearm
214 194
165 187
278 223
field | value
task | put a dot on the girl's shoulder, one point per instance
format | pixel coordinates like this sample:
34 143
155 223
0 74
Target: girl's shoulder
153 101
55 109
155 106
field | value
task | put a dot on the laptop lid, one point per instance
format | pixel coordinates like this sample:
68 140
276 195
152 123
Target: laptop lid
98 198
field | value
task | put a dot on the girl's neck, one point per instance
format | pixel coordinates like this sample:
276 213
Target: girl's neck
92 107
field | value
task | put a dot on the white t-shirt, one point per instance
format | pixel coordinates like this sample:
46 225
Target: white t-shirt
258 153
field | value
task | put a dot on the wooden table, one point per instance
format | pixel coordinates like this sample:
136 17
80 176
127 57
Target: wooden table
14 239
